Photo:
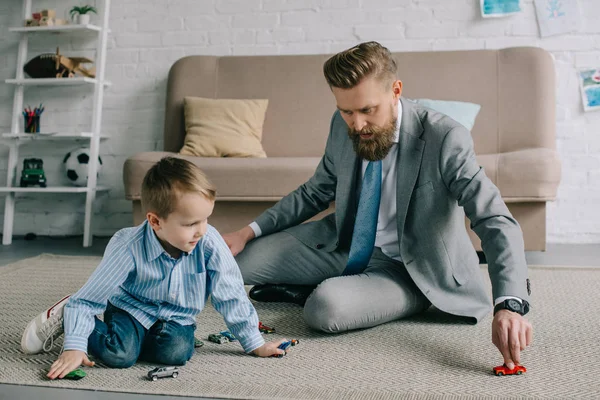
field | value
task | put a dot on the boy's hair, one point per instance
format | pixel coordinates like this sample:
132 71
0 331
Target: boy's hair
169 178
346 69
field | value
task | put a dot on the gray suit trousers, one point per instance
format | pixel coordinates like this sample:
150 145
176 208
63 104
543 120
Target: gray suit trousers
383 292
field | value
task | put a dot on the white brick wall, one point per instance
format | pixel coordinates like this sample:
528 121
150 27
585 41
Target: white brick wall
147 37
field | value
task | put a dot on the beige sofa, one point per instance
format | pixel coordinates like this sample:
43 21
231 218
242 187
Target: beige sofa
514 134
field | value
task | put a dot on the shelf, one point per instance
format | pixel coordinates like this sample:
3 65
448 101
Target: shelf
57 28
50 136
54 81
50 189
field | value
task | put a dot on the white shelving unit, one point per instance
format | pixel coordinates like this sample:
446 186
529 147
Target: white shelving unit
16 137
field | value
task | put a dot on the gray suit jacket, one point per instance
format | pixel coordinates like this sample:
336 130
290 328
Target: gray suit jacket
438 177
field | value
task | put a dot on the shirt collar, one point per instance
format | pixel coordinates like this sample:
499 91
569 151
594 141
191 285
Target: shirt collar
398 122
153 247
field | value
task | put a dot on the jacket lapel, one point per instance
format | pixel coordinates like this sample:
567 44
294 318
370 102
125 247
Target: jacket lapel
346 190
410 153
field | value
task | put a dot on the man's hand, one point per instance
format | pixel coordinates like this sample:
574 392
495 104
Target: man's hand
270 349
67 362
511 334
237 240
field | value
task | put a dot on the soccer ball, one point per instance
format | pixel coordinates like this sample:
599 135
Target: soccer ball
76 166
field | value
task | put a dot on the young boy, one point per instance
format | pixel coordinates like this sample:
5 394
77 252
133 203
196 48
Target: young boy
152 282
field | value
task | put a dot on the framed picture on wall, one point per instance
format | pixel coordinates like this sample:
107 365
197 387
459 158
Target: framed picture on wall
499 8
589 81
556 17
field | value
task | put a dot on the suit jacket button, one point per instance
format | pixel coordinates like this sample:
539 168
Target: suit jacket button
320 246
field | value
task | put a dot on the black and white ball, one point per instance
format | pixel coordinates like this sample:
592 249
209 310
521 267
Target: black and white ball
76 166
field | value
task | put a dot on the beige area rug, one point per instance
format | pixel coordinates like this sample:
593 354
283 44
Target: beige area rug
432 356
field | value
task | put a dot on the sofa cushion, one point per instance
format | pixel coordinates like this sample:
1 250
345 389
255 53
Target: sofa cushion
462 112
223 127
256 179
525 175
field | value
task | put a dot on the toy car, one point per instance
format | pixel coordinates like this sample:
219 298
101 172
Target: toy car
75 375
265 329
162 372
229 336
33 173
285 345
198 343
504 370
217 338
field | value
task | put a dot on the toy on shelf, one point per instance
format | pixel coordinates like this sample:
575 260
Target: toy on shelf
285 345
229 336
76 374
45 18
265 329
50 65
76 166
504 370
33 173
163 372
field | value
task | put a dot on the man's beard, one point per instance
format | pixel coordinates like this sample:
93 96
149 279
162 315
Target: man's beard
376 147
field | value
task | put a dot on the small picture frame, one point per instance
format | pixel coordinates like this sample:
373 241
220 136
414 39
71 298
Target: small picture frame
589 82
499 8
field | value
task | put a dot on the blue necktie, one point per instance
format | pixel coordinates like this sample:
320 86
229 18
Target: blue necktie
365 226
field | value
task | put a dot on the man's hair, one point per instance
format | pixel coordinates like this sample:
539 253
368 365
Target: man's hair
169 178
346 69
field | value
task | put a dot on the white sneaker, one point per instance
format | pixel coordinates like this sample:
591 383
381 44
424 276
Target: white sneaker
44 329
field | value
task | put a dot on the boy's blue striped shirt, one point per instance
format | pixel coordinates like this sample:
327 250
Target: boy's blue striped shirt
137 275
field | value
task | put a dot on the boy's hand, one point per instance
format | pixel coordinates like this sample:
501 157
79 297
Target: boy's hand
67 362
270 349
236 241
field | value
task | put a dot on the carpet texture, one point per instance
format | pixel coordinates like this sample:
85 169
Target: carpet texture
432 356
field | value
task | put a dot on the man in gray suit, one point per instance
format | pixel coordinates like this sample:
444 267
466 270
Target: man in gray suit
400 175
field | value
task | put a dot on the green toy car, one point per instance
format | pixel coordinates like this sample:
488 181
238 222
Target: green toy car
33 173
217 338
75 375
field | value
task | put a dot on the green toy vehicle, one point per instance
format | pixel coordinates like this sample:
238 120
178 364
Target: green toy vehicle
75 374
33 173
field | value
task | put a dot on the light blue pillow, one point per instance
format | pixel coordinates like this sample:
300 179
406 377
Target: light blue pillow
462 112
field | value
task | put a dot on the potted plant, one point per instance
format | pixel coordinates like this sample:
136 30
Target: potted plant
83 18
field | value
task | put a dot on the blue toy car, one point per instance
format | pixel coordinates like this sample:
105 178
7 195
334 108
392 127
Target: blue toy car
229 336
285 345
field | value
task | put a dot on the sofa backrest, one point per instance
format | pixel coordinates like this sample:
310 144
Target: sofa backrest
515 88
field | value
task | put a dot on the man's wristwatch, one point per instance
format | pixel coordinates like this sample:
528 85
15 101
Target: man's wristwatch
513 305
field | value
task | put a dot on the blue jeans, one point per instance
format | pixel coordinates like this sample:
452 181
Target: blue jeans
121 340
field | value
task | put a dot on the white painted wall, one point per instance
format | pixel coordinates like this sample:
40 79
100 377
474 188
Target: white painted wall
148 36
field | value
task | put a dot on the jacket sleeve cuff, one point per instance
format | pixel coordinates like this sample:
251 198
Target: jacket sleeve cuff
257 231
502 298
76 343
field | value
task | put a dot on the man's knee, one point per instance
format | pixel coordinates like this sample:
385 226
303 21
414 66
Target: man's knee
324 309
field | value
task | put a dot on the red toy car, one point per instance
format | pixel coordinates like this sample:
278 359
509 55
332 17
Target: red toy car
265 329
504 370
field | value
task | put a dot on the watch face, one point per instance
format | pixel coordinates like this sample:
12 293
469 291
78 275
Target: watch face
514 305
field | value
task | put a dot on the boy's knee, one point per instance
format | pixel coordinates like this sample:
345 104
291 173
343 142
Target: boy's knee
324 311
119 359
177 352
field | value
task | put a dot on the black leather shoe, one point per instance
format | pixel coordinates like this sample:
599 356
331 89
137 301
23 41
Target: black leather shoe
284 293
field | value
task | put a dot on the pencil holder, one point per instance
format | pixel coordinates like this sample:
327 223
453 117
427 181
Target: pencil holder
32 124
